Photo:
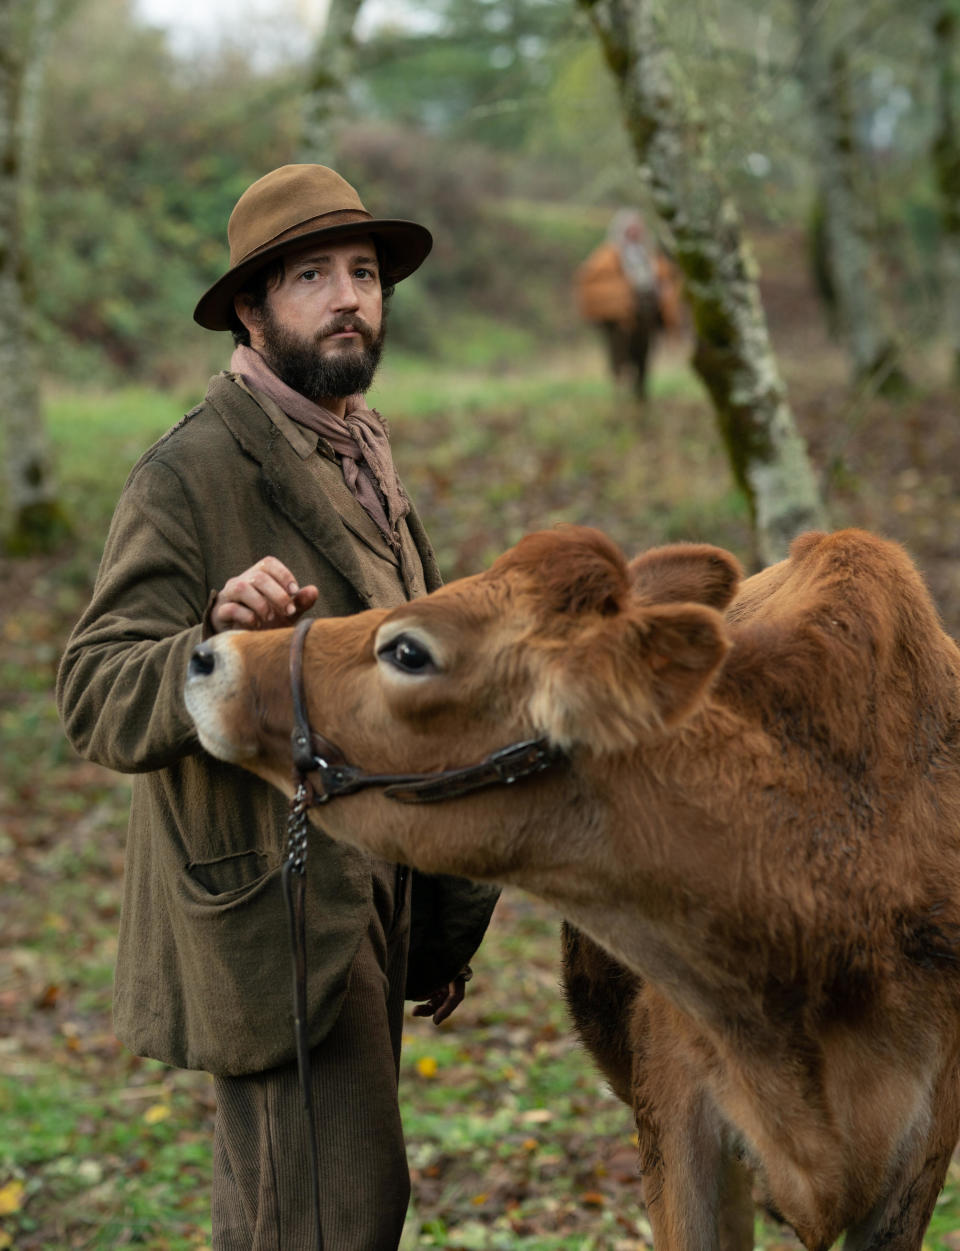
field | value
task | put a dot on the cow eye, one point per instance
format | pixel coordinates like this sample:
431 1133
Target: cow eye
408 655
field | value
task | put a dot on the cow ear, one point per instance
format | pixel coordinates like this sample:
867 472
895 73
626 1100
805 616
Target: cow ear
684 646
686 572
572 570
643 670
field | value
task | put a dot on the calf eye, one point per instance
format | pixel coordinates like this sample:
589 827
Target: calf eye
408 655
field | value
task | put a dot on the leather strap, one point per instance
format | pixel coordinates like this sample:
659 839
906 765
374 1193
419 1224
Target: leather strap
324 764
293 881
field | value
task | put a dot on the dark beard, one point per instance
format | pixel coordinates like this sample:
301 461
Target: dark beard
301 365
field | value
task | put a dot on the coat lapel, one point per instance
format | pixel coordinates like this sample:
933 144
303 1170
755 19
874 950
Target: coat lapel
354 516
290 488
431 570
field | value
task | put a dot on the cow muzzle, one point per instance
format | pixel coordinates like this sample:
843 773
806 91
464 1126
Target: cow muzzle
218 699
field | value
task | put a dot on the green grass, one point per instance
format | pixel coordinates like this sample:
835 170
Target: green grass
98 437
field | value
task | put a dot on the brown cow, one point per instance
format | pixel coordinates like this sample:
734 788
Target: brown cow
757 826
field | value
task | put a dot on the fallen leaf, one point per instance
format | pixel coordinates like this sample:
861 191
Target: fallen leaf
11 1197
427 1066
156 1112
48 999
593 1199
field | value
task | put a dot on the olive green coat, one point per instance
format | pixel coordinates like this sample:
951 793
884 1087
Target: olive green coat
202 977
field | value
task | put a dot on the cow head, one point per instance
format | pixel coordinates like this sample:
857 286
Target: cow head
559 639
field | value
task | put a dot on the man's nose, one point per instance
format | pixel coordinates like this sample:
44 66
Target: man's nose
345 291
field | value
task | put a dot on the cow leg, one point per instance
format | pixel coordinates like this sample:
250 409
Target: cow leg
601 994
735 1213
899 1221
696 1188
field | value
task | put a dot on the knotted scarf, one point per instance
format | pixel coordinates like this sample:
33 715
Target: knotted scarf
360 438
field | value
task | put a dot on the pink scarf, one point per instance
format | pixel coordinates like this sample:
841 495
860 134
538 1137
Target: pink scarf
360 438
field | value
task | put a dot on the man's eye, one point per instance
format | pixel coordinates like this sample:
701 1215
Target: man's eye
309 273
408 655
364 273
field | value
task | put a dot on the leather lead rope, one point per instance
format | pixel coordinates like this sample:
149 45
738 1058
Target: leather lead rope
317 760
294 882
293 878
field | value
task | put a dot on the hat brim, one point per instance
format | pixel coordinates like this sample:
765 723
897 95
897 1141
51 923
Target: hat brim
404 246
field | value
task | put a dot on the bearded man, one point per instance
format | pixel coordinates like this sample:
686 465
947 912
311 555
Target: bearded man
277 496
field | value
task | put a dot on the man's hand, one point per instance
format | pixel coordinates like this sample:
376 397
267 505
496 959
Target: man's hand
445 999
262 597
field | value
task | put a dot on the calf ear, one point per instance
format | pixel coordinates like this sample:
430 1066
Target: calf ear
684 645
644 669
684 572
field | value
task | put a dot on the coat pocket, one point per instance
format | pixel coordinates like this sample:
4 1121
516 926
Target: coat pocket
233 956
227 877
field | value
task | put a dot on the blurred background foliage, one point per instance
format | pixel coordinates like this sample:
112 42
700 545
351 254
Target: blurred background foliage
491 120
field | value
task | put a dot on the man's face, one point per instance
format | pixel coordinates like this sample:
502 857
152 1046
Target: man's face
321 329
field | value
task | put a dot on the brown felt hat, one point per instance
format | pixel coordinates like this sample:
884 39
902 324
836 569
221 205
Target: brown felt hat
286 209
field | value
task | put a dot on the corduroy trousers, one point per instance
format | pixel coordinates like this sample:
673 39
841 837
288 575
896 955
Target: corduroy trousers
261 1176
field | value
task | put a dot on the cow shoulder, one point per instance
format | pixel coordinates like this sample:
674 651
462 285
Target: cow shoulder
841 645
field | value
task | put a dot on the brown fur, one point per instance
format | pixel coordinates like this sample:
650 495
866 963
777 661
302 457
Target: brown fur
756 844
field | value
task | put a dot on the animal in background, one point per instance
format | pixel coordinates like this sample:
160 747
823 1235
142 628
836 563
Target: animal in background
630 291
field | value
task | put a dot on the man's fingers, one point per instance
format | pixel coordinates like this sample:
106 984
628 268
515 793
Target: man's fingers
278 601
279 572
233 616
444 1000
452 1001
305 598
268 592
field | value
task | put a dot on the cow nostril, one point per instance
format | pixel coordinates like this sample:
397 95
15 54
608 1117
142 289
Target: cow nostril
203 661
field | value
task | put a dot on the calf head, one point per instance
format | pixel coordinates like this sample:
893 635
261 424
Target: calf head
558 639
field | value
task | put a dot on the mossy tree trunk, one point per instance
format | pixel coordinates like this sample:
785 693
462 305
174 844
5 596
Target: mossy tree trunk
733 356
864 323
32 519
331 64
945 157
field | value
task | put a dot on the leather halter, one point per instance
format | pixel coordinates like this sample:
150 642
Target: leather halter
321 762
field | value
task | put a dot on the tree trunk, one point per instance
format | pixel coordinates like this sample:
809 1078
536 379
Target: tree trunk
945 156
33 518
326 104
733 354
874 352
